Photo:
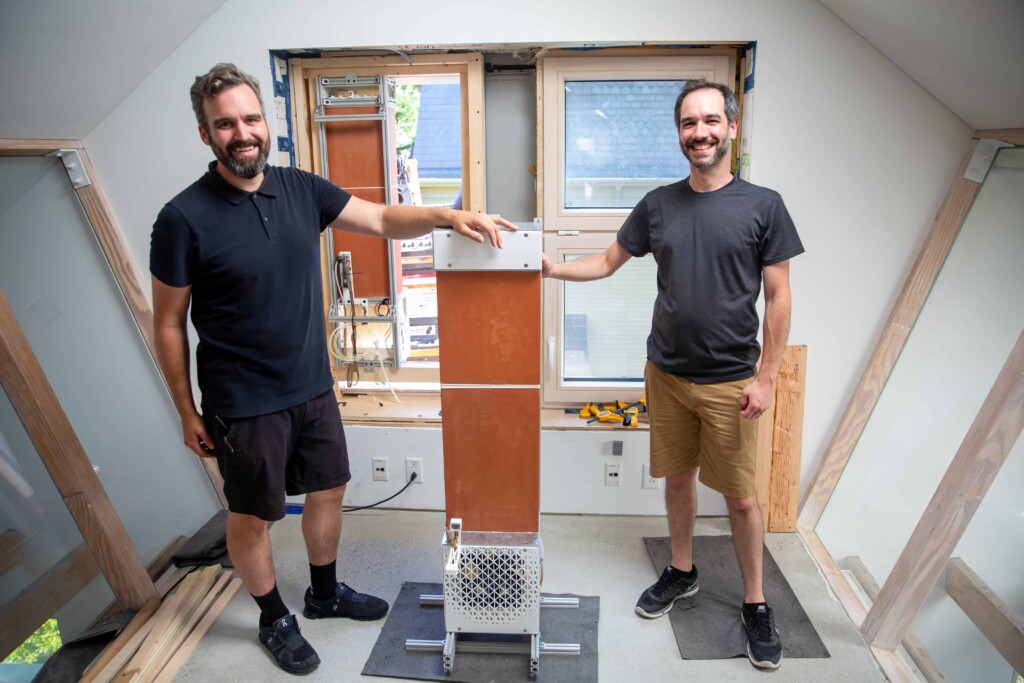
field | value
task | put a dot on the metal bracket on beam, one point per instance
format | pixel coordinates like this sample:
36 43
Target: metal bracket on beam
74 166
981 160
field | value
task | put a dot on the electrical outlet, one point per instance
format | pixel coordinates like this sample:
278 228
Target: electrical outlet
649 482
612 474
414 465
380 469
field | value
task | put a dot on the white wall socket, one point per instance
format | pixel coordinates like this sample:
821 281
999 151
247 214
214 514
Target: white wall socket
649 482
414 465
612 474
380 469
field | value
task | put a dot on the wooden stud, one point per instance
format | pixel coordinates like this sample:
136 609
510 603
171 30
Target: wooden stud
118 648
787 439
992 616
63 456
30 608
10 147
894 335
11 553
974 467
1015 136
833 576
911 643
183 652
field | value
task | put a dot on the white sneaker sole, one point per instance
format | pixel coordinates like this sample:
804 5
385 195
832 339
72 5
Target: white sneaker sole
762 664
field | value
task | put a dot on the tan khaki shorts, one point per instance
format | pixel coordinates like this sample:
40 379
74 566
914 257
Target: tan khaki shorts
699 425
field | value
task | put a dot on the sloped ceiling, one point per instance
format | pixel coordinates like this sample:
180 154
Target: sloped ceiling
968 55
66 64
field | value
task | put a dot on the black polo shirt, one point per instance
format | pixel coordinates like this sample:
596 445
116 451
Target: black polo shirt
253 262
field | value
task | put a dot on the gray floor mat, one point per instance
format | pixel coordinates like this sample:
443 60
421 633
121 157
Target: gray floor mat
707 626
408 620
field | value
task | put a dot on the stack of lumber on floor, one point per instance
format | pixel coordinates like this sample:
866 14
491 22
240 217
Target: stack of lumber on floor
163 634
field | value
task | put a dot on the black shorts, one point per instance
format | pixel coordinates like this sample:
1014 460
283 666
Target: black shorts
293 451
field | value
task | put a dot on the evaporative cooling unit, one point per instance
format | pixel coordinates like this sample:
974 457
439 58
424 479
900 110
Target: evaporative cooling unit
489 328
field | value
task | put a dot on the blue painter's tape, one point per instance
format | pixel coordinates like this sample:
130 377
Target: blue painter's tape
284 144
293 509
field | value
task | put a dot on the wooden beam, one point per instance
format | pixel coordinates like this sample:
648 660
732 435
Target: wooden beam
992 616
974 467
787 439
11 554
1015 136
34 148
894 335
911 643
116 653
41 599
70 468
834 577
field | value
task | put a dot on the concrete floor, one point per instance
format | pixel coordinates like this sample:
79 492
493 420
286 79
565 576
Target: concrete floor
585 555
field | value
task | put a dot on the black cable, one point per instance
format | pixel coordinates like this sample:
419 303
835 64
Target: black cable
367 507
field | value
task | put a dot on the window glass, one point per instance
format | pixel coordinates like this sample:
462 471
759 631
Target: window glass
606 323
620 142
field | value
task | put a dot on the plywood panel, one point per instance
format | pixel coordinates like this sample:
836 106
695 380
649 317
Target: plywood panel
787 439
355 149
489 327
491 443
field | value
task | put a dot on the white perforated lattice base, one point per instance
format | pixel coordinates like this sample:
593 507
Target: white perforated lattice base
496 590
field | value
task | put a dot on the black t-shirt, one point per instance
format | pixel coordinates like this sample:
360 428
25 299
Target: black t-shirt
253 262
710 248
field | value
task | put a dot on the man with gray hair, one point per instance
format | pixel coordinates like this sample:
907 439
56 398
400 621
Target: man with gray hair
242 246
715 239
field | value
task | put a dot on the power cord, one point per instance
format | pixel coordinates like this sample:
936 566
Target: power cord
412 478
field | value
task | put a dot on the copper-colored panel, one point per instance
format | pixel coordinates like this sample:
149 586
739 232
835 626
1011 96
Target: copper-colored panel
489 327
492 458
355 150
369 262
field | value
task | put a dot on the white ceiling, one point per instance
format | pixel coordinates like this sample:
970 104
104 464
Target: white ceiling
66 64
968 55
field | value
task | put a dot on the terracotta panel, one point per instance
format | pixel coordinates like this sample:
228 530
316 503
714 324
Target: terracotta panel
492 458
354 149
489 327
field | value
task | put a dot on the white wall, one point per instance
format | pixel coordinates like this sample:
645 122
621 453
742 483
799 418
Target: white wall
861 153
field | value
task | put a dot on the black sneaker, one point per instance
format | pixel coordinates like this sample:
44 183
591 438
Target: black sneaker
671 586
345 603
763 645
287 646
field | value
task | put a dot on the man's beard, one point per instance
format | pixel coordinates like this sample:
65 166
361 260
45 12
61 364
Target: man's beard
244 168
721 149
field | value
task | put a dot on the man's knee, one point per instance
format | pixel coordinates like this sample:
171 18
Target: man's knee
681 480
327 496
741 504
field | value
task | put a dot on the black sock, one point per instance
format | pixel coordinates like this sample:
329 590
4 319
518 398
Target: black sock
272 607
324 580
686 575
751 607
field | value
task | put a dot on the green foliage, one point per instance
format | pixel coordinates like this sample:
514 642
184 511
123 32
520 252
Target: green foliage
39 646
407 112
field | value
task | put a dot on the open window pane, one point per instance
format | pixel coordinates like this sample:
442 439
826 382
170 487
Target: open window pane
620 142
605 325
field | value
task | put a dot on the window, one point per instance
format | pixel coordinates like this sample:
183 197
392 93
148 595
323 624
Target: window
607 138
601 326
